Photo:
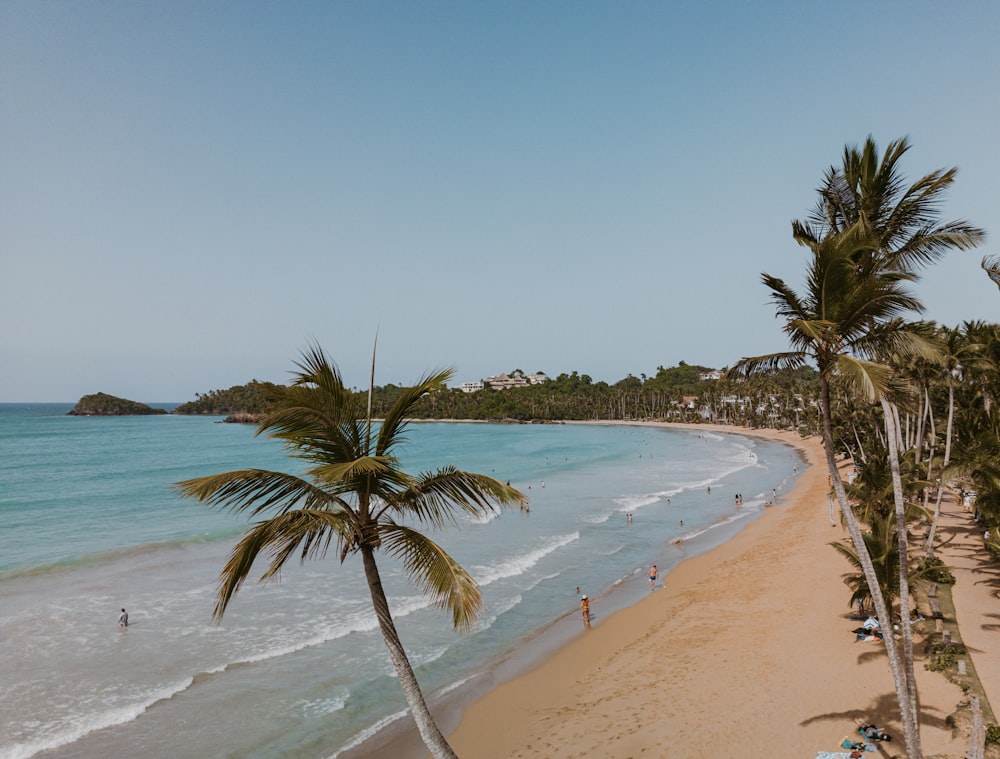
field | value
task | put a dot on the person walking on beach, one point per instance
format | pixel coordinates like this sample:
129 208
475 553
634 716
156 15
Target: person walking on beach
585 610
652 577
123 619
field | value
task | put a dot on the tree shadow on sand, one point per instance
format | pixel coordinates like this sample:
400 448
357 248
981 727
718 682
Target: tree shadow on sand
884 712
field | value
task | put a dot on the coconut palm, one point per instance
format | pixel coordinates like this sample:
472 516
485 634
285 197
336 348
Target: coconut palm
871 194
840 323
354 496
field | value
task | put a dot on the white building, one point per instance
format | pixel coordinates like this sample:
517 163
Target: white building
504 381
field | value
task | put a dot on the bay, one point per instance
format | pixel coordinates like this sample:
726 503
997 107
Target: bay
90 524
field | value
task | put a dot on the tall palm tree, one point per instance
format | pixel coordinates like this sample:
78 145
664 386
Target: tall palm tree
840 323
958 354
355 496
870 193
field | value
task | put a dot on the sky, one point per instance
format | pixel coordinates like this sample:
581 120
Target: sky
193 193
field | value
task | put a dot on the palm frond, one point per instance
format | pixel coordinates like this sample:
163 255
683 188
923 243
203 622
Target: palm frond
258 490
772 362
304 531
437 498
349 472
868 378
317 417
393 426
435 573
991 265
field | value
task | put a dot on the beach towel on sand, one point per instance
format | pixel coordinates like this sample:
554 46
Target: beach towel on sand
832 755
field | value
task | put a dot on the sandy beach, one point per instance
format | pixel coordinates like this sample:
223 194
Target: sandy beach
747 650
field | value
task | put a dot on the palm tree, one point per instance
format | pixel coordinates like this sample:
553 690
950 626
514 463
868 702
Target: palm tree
354 495
872 195
840 323
958 354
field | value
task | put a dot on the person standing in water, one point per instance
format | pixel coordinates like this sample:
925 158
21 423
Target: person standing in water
653 573
585 610
123 619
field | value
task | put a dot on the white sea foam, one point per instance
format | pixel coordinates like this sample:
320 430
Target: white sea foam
457 684
321 706
364 735
502 607
81 726
361 621
516 565
540 579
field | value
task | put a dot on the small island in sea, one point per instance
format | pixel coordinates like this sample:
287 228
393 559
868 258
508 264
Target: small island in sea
102 404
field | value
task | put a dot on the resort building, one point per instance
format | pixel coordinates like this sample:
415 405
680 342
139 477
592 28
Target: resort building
504 381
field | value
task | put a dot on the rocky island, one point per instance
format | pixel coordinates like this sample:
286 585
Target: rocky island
102 404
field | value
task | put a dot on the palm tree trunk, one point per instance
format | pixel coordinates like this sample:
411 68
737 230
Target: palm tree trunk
929 548
865 559
912 740
428 729
861 448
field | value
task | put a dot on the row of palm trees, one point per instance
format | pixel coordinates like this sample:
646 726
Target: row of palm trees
855 321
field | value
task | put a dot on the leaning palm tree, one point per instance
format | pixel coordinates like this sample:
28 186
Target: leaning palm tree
869 192
840 324
354 495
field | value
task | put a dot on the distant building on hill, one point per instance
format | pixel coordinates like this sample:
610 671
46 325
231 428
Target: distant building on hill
504 381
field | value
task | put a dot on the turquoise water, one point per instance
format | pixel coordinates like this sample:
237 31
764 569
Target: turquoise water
298 669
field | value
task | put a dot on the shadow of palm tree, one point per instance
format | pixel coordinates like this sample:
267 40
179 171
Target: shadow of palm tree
884 712
992 627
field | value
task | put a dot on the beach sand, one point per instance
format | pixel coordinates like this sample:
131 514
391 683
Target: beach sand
746 651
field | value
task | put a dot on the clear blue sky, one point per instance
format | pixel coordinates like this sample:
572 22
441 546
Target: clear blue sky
190 192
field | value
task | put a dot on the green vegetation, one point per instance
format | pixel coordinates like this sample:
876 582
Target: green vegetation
785 399
943 655
254 398
102 404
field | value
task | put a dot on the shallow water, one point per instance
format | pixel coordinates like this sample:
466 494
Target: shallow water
298 669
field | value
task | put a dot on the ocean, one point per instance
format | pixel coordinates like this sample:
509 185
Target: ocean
89 524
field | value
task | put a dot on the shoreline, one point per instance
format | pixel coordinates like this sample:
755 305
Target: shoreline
399 739
747 645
